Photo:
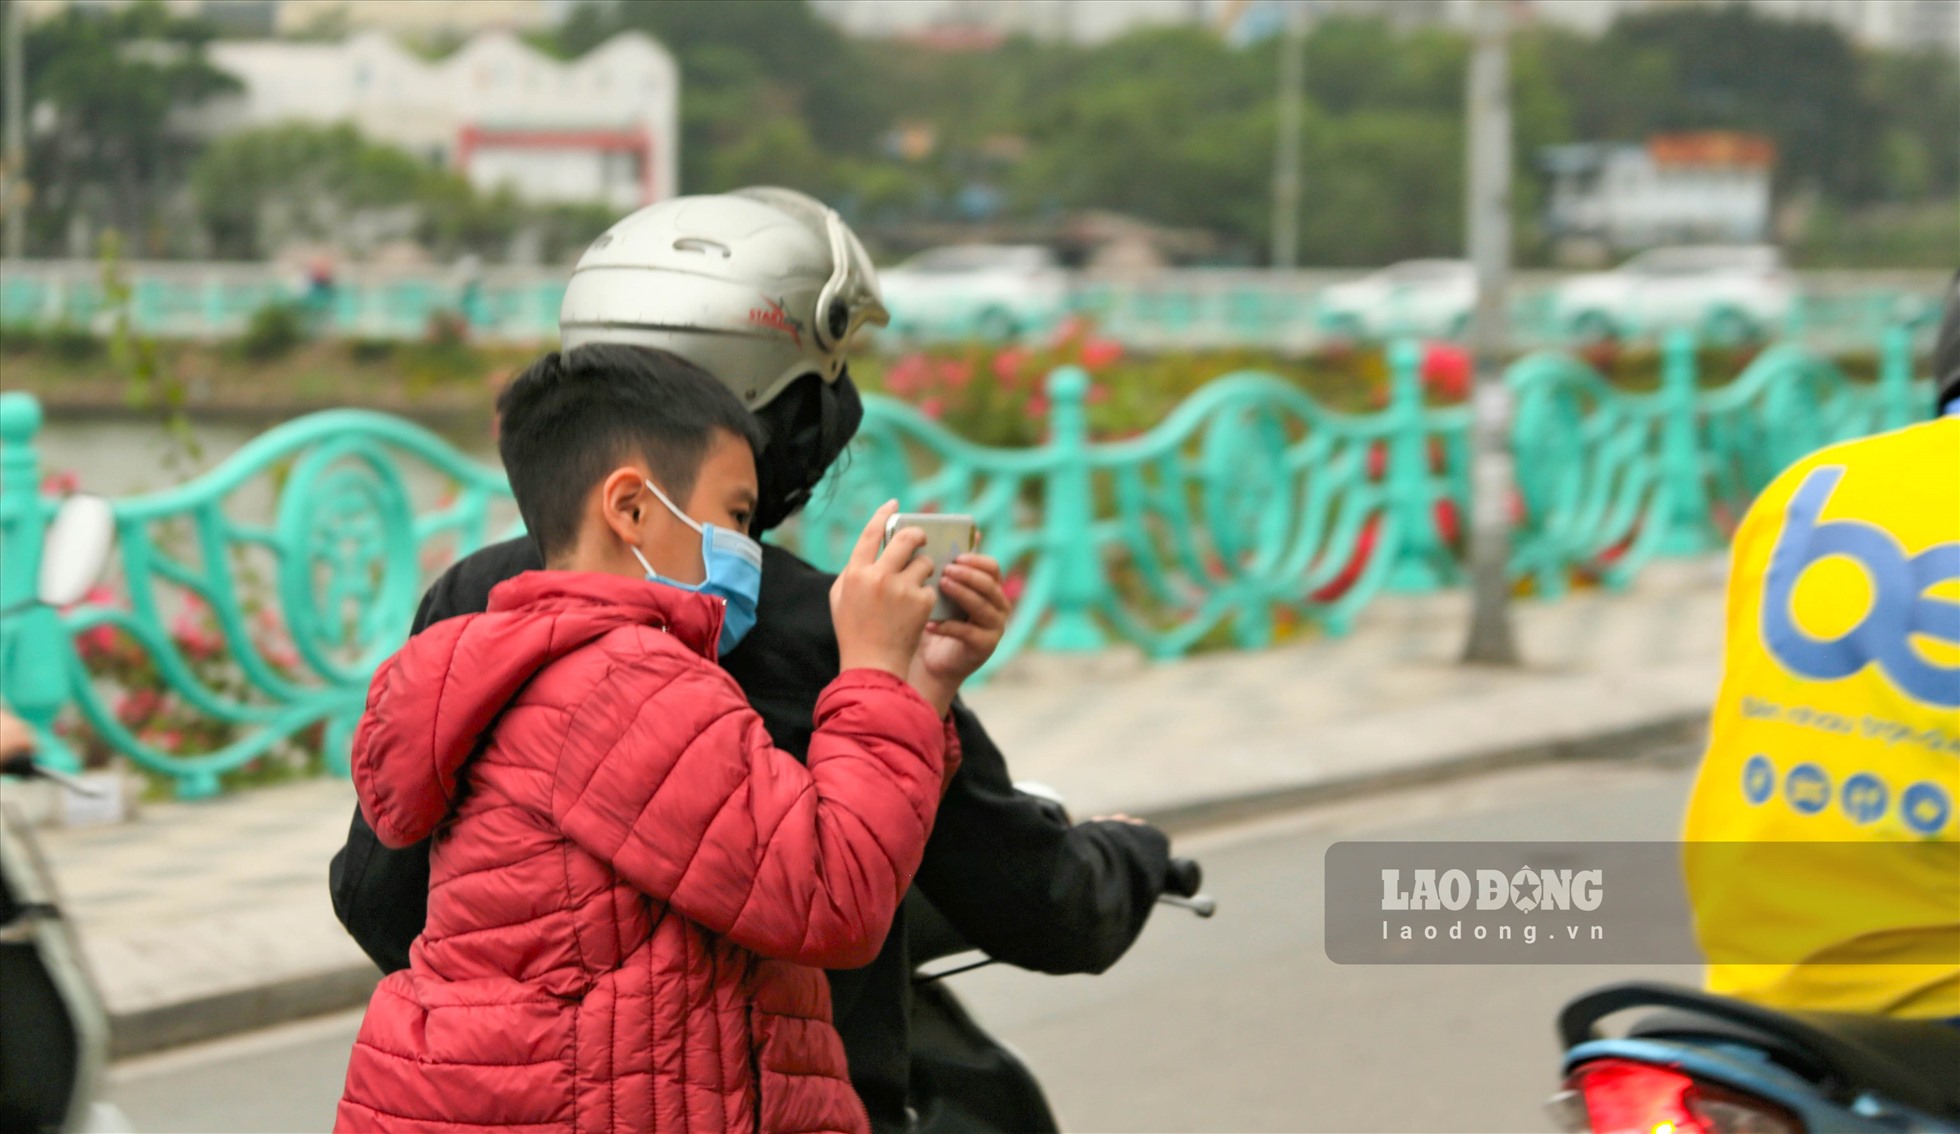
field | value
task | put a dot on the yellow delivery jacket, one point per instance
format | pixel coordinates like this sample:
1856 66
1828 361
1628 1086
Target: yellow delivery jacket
1838 725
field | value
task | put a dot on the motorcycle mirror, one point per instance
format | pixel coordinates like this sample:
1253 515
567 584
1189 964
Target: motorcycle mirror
76 549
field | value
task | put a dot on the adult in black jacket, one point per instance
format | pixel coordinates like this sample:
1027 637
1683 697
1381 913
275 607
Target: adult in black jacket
1011 876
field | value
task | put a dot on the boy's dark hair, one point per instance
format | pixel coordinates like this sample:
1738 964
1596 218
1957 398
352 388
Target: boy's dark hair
574 416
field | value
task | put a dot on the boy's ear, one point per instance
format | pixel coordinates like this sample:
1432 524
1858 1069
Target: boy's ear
622 502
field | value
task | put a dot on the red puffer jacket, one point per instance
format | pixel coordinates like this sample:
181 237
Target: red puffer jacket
628 881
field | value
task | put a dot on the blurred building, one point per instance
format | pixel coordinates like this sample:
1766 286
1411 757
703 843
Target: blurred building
419 18
600 128
410 17
1711 187
1889 24
979 21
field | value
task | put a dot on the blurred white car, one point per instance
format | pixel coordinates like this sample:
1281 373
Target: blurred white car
991 291
1415 297
1728 293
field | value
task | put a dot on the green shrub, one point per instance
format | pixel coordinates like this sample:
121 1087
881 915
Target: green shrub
275 331
71 343
365 350
19 338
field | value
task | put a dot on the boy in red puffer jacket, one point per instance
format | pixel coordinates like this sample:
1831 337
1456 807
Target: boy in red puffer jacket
629 883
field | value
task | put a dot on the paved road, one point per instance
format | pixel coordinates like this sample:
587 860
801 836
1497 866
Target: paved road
1238 1023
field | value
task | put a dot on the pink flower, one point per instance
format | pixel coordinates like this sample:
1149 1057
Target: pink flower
954 373
1098 353
138 705
60 483
908 375
933 407
1038 406
1008 364
195 637
96 644
1013 585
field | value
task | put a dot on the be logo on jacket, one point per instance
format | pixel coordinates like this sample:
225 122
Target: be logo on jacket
1838 724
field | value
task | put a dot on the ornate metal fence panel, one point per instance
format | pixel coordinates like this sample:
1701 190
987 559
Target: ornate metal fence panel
1249 502
296 566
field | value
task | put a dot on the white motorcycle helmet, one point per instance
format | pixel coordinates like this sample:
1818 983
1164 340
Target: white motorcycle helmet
759 287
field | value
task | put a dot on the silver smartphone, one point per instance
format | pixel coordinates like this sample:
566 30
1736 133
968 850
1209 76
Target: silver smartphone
948 534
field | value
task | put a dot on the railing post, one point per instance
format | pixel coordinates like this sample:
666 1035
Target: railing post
1896 409
1410 497
1068 520
1688 525
33 673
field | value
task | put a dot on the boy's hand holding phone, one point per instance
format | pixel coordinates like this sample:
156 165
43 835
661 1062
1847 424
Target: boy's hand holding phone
951 650
880 601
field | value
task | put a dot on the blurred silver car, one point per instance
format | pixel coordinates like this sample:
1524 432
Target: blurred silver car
1415 297
1730 294
996 292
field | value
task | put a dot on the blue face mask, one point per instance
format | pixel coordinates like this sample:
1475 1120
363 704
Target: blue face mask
731 565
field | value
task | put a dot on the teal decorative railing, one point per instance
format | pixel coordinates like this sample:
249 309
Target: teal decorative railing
1248 509
1192 308
306 552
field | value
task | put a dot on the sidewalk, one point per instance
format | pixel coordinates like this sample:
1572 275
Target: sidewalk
207 918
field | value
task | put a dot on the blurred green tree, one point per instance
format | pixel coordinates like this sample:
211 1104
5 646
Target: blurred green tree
1736 68
109 92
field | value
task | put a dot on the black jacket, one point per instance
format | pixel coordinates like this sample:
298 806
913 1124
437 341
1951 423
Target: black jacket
1009 874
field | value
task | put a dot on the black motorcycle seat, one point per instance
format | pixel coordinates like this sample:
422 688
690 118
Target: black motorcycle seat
1912 1062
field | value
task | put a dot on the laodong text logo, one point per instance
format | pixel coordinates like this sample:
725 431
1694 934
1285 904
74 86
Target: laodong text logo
1525 891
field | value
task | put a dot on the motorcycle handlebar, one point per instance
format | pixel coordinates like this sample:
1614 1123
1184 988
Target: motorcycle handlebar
22 764
1184 877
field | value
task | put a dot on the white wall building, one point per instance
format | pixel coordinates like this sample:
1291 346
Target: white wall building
602 128
1889 24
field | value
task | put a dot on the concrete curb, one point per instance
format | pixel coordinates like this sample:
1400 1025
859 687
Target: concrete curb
315 994
240 1010
1610 744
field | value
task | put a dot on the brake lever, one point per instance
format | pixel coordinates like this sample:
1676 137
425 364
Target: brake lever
23 765
1204 905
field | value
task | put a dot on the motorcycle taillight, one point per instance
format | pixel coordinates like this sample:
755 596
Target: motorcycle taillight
1620 1096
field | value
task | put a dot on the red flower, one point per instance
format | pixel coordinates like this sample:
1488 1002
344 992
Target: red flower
933 407
137 706
96 644
1098 394
1098 353
60 483
1038 406
1446 370
954 373
1013 585
908 375
195 635
1008 364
